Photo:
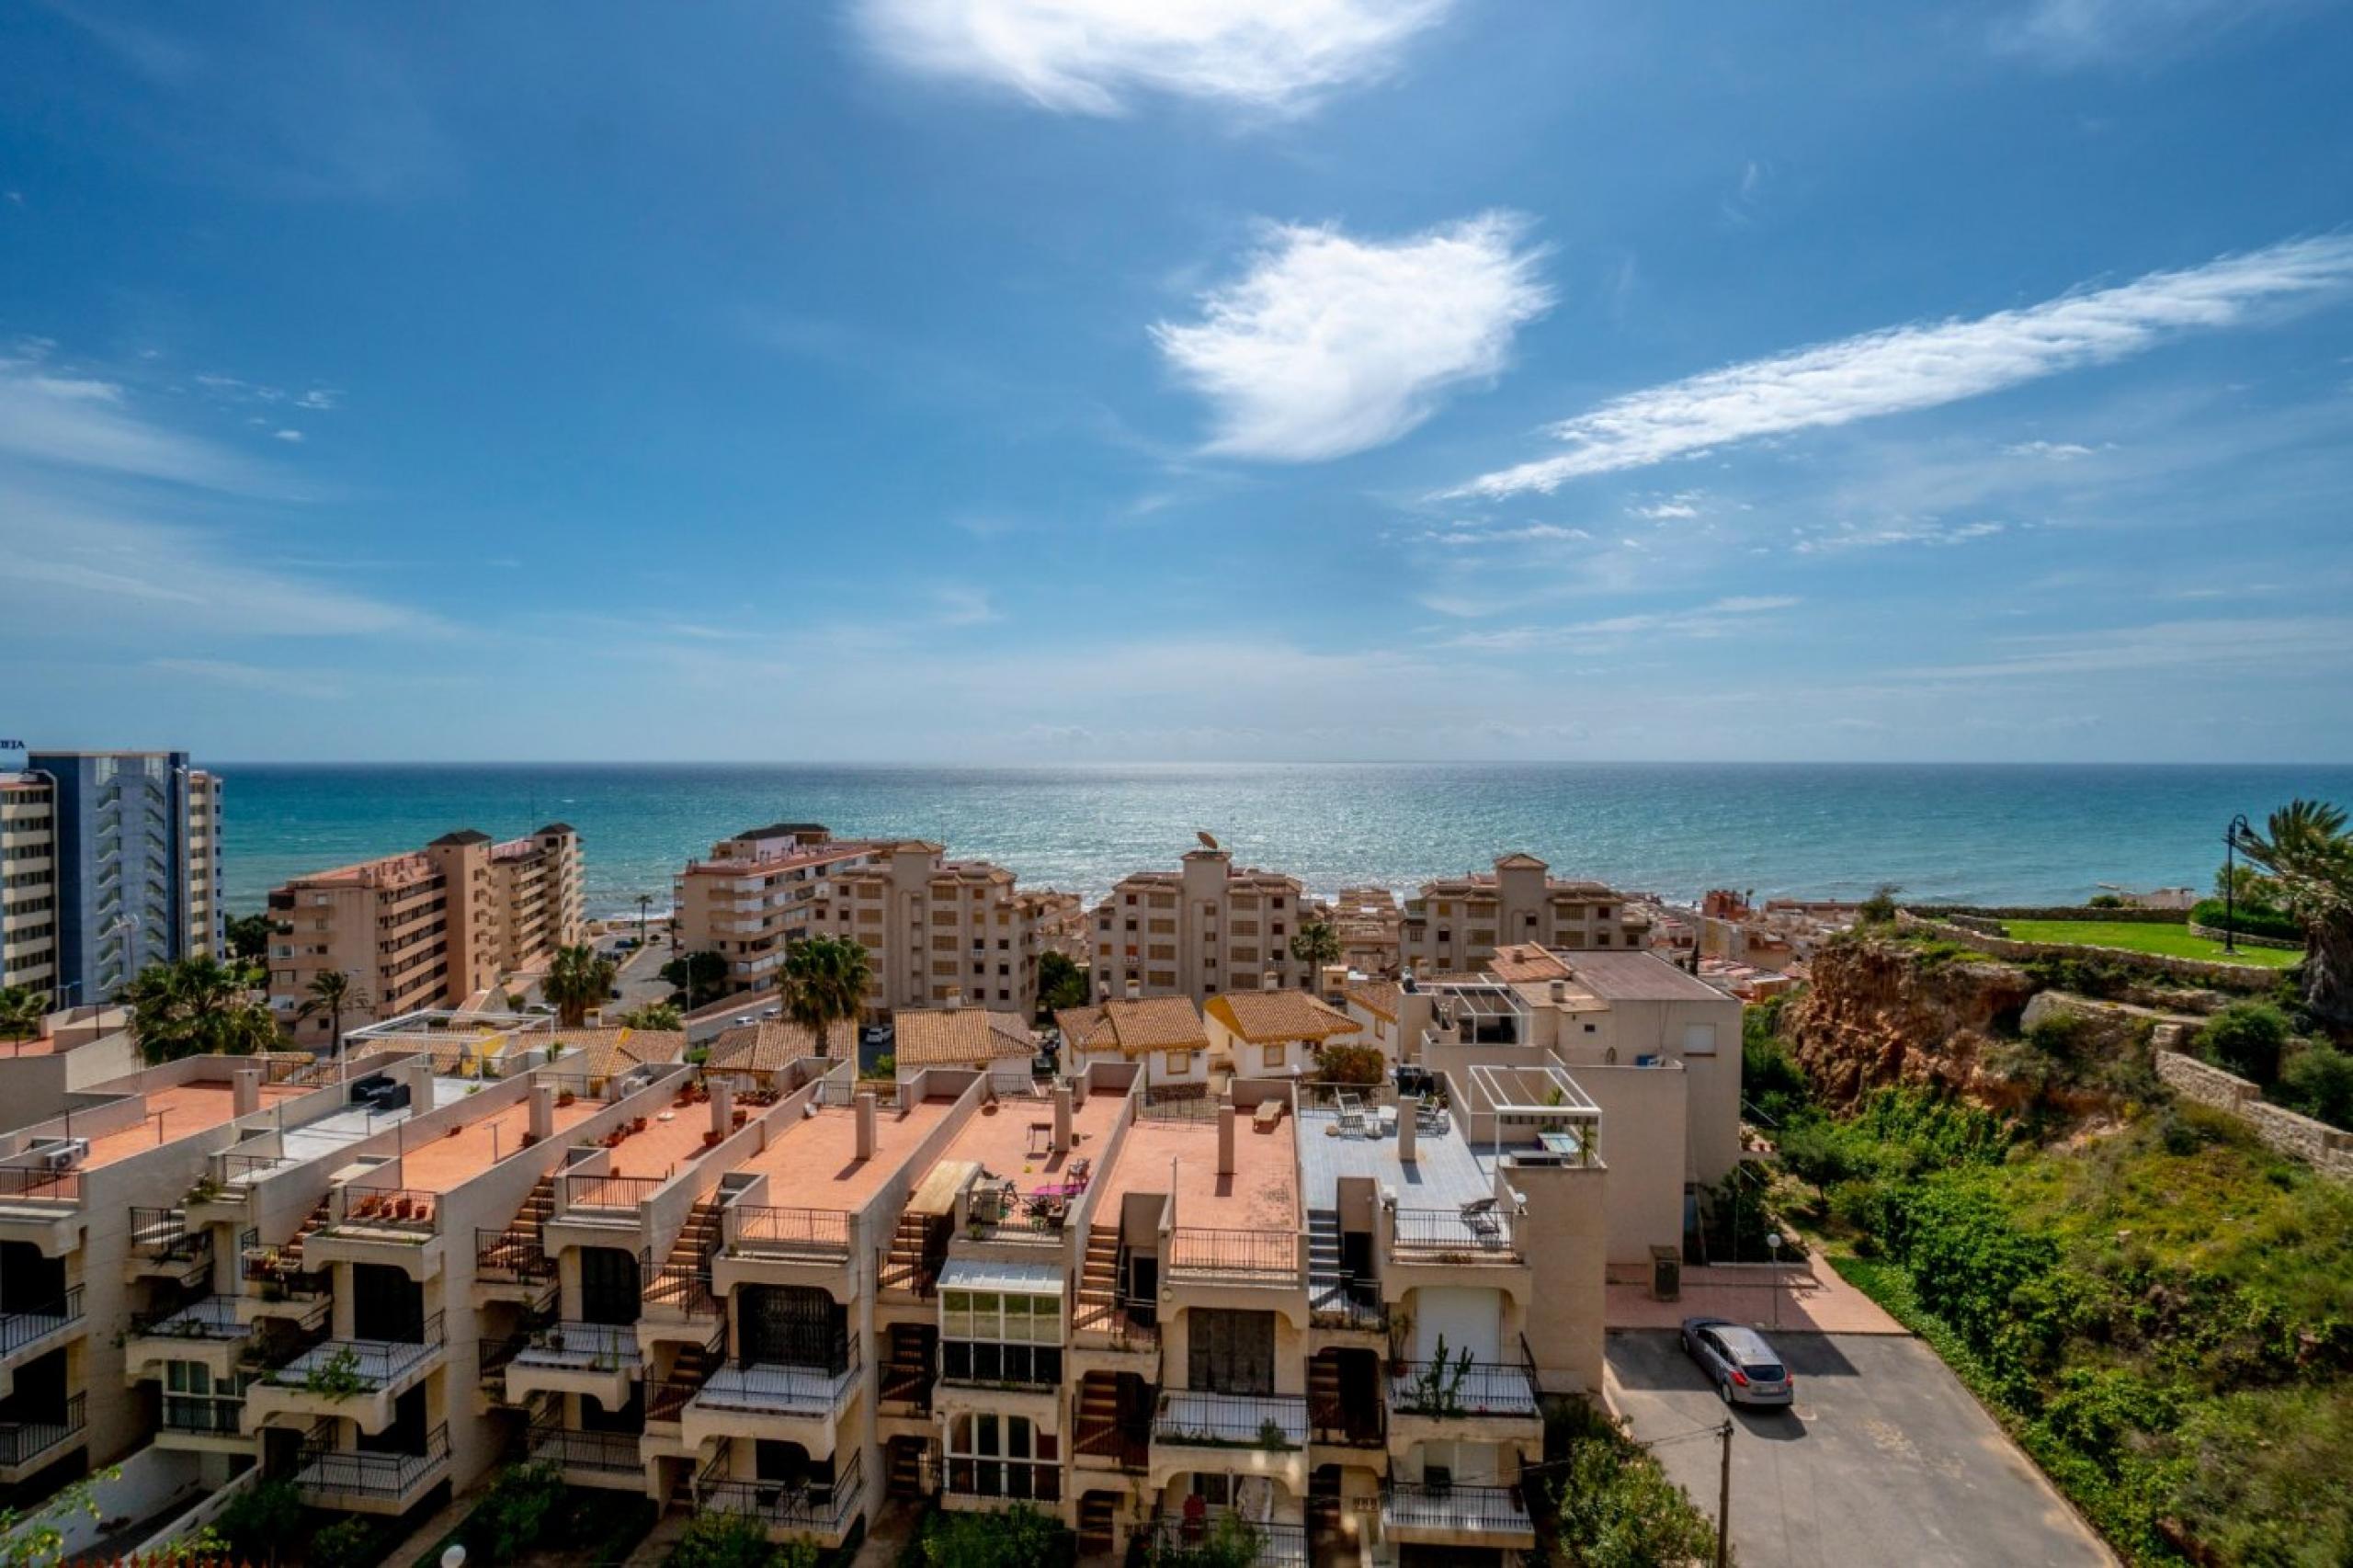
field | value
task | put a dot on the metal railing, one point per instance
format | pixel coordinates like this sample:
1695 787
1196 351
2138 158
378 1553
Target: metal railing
1175 1102
570 1449
1127 1444
615 1193
1276 1545
512 1257
237 1170
770 1232
783 1389
20 1440
1124 1325
161 1235
1018 1480
1201 1419
374 1363
1458 1388
390 1208
1448 1235
327 1472
1468 1510
211 1317
208 1416
684 1288
39 1184
1261 1257
26 1324
583 1346
820 1506
1343 1300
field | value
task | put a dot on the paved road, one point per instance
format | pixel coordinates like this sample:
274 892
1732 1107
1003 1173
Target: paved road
1885 1457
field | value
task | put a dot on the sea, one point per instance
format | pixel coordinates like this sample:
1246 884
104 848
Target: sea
1970 834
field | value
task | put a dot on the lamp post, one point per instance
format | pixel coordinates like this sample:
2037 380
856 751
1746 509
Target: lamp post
642 900
1773 1249
2231 837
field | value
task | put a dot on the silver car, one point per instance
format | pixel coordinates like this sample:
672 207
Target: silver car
1744 1369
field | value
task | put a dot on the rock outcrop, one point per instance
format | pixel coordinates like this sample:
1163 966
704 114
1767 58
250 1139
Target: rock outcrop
1879 1015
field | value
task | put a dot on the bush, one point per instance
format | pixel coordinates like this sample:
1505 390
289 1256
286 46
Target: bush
722 1541
262 1518
517 1512
1880 908
1771 1078
2318 1081
2246 1037
2106 901
1021 1537
2245 921
1616 1507
1352 1065
346 1544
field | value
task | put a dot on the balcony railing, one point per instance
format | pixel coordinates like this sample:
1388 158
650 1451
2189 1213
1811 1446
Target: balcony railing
777 1388
1458 1388
1198 1419
1021 1481
39 1184
512 1257
766 1232
390 1208
23 1441
373 1363
213 1317
1277 1545
1125 1325
327 1473
1468 1510
1250 1257
612 1194
1446 1235
683 1288
161 1235
581 1347
819 1506
204 1416
1129 1444
613 1452
23 1326
1343 1300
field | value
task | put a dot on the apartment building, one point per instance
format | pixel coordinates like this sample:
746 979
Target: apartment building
759 892
436 927
1369 925
937 930
1455 924
110 861
1207 927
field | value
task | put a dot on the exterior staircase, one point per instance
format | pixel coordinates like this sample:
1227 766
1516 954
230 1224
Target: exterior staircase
692 1369
906 1477
1097 1525
1098 1278
683 1281
1327 1280
912 1264
907 1372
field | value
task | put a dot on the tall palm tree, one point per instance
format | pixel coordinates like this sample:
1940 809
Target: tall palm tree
578 979
195 1005
331 993
21 1011
1314 944
2306 847
824 983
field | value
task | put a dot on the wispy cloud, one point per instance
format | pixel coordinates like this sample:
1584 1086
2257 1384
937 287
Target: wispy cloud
1712 620
962 606
291 436
1093 56
250 678
2055 452
1902 530
1904 369
82 422
2070 33
1329 345
2205 644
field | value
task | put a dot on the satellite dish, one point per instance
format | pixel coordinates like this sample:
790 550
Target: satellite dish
1208 842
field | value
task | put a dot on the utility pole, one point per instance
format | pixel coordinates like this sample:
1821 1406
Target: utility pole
1724 1503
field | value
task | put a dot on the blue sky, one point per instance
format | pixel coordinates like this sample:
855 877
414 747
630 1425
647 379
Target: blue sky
1070 379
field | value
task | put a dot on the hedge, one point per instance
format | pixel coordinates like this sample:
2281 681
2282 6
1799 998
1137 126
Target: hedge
2248 922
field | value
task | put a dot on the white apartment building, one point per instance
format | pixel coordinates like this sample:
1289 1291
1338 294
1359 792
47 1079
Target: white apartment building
761 891
1207 927
1455 924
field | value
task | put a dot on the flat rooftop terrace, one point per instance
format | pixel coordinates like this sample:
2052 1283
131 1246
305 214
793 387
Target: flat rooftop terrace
444 1164
181 1111
816 1163
1001 1133
1261 1194
353 1122
671 1141
1443 1174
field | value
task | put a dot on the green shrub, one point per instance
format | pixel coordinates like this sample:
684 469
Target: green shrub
2246 921
1020 1537
346 1544
262 1518
2318 1081
2246 1037
517 1512
722 1541
1616 1507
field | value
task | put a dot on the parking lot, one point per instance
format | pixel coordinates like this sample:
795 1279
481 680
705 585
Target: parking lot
1885 1457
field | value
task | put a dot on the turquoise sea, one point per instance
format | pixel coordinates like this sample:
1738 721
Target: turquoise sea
1974 834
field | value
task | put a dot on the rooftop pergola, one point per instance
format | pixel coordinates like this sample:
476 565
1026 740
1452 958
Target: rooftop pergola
1566 1120
462 1039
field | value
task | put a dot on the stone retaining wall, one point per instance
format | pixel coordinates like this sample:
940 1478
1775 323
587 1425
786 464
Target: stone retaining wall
2214 934
2316 1144
2231 976
2058 912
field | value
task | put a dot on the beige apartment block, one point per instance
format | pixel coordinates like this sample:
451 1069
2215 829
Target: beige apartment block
1369 925
939 932
439 927
28 880
759 892
206 922
1207 927
1456 924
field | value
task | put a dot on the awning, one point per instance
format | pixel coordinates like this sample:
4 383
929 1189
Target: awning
989 1274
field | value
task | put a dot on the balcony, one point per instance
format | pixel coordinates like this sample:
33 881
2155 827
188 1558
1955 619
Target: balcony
394 1226
358 1379
822 1509
1344 1301
202 1416
25 1444
1494 1517
591 1459
1263 1435
597 1361
163 1247
210 1330
512 1265
1273 1545
27 1330
744 1399
1264 1258
1452 1238
364 1481
1456 1389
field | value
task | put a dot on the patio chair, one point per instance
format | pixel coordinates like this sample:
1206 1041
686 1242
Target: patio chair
1478 1217
1351 1115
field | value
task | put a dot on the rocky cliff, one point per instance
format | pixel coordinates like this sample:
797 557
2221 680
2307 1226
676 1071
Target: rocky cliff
1882 1014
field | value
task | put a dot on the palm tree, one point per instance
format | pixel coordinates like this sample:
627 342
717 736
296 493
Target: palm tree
2306 847
577 980
21 1011
331 993
1314 944
824 983
195 1005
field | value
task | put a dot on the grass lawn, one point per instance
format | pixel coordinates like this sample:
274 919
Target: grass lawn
2174 941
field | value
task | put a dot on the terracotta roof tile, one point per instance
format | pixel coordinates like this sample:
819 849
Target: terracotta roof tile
1382 999
1263 1017
1155 1023
773 1043
949 1036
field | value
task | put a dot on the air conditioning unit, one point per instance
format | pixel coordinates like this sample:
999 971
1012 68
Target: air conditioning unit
63 1155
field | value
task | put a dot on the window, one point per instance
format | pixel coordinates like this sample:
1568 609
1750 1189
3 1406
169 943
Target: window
1003 1456
988 1337
1699 1039
1177 1063
1272 1056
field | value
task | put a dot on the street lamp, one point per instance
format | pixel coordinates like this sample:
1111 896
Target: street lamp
1773 1247
642 900
2230 838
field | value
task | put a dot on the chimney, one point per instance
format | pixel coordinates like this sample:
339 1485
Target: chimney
1077 1086
1559 991
1408 1109
1136 991
1225 1139
542 1112
1062 1116
244 1093
723 1107
420 1085
955 997
866 1124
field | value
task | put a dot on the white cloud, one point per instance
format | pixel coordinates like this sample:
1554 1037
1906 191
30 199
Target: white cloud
2280 642
249 678
1330 345
320 398
1706 620
2057 451
964 607
294 437
81 422
2068 33
1902 531
1091 56
1903 369
1468 535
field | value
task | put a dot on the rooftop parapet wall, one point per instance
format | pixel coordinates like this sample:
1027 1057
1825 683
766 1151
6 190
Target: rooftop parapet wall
2316 1144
